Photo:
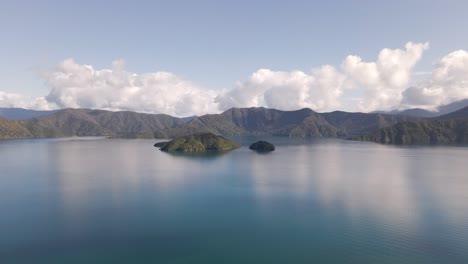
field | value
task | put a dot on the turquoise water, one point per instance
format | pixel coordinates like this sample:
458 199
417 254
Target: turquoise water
310 201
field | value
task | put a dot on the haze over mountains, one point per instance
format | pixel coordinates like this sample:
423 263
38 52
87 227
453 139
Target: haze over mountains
441 110
389 128
22 114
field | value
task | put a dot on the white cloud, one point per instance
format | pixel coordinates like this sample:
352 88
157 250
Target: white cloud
384 80
11 99
82 86
381 84
8 100
448 83
319 90
357 84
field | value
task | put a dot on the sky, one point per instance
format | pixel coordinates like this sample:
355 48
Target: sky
194 57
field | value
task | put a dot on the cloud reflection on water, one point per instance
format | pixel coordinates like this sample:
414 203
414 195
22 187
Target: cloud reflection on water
392 184
357 192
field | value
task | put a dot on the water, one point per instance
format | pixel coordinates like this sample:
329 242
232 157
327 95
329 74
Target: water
310 201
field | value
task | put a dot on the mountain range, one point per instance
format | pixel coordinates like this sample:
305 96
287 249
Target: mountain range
86 122
388 128
235 121
451 128
271 122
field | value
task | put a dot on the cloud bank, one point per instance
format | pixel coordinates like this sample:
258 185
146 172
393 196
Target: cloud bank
382 84
320 89
384 80
448 83
82 86
21 101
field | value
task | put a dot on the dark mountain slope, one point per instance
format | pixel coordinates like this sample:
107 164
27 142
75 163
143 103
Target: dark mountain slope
460 114
235 121
217 124
421 132
446 129
300 123
65 123
351 124
127 122
418 112
452 107
450 128
85 122
415 112
259 121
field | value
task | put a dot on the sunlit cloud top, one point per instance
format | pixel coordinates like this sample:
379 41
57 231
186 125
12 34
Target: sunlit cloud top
383 84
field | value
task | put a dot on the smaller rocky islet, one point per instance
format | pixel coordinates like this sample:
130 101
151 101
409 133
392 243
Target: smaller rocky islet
197 143
262 146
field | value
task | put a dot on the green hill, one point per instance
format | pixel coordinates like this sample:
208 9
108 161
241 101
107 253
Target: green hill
12 129
198 142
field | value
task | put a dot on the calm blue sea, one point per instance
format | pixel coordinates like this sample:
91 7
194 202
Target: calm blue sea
93 200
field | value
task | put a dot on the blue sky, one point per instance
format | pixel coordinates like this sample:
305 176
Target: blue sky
215 44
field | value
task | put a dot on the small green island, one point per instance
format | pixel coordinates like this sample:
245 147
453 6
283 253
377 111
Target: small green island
197 143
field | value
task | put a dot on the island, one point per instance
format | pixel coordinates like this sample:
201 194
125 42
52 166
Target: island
262 146
198 142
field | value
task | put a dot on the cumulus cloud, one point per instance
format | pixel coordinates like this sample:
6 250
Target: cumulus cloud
448 83
381 84
11 99
8 100
82 86
356 84
384 80
319 90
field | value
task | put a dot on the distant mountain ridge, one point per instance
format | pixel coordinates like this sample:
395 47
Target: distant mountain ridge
451 128
421 132
300 123
257 121
236 121
459 114
86 122
416 112
377 127
441 110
